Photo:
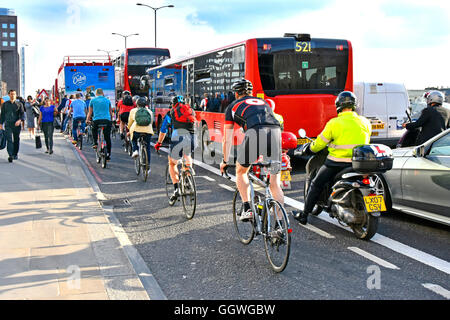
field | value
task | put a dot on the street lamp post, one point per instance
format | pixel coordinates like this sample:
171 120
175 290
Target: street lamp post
22 69
155 9
125 37
108 53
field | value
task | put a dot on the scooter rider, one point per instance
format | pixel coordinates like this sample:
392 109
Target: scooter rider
341 134
433 120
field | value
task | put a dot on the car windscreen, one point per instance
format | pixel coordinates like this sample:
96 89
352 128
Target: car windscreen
287 66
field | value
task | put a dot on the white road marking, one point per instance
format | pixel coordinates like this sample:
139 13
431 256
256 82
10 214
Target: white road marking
226 187
120 182
373 258
317 230
437 289
206 178
394 245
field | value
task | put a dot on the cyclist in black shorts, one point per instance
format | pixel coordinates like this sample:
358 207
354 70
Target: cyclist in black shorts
262 137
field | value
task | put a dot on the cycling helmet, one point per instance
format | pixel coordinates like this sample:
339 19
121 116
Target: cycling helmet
242 86
127 100
135 98
435 97
177 99
126 93
288 140
345 99
141 102
271 104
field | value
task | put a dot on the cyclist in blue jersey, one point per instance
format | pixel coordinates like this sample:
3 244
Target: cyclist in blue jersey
182 143
78 115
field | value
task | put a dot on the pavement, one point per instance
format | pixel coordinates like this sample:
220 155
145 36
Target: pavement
56 240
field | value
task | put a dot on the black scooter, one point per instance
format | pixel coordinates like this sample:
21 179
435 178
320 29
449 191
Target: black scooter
409 138
352 197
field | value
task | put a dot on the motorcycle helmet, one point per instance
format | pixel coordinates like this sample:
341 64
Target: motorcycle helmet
141 102
242 86
288 140
177 99
345 99
435 97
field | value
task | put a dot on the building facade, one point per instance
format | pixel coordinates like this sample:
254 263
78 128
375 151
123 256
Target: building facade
9 56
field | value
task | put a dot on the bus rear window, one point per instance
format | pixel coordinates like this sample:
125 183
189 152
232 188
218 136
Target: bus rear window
287 66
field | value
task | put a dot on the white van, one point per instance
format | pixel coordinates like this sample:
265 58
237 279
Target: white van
385 105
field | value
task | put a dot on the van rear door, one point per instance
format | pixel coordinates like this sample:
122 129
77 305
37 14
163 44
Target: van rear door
375 109
397 103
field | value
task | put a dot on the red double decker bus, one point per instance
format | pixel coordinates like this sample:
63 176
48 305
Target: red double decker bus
134 63
303 75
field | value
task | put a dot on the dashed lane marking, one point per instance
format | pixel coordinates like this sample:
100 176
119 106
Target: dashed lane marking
373 258
437 289
224 186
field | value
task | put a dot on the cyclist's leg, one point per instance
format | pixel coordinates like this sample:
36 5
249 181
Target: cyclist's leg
83 124
95 131
148 140
108 136
74 128
173 170
134 141
243 182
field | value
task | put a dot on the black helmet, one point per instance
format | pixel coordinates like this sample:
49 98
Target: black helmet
141 102
127 100
126 93
345 99
177 99
242 86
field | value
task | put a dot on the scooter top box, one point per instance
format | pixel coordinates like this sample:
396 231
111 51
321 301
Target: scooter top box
372 158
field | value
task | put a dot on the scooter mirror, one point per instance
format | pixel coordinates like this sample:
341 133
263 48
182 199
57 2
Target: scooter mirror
302 133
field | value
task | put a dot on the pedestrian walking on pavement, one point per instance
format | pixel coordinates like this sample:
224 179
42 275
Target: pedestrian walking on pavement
46 118
11 118
30 115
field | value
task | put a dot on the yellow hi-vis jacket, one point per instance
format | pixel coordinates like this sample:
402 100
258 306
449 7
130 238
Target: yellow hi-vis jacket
280 119
342 134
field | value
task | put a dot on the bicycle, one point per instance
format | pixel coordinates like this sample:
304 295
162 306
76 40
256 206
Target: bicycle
100 152
79 136
141 161
127 143
89 135
187 188
276 232
113 130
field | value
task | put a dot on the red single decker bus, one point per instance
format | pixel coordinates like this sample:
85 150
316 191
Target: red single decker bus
303 75
134 63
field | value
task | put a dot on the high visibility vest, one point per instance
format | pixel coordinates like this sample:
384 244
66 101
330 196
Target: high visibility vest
342 134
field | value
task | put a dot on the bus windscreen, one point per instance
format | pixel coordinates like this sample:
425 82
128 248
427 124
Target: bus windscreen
150 58
288 66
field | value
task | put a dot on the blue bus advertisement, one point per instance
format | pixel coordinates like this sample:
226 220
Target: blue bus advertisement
76 78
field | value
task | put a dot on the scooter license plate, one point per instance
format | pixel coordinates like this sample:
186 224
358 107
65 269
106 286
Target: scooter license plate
285 176
375 203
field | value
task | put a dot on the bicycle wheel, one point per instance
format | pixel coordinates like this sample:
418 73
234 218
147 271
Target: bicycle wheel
137 165
169 185
80 141
144 163
188 193
245 230
277 238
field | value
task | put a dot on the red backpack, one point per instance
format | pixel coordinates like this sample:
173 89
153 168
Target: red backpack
183 113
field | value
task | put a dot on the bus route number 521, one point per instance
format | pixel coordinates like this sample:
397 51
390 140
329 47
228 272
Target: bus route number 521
303 47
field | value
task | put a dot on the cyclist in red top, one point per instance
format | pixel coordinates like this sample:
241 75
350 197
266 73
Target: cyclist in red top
125 105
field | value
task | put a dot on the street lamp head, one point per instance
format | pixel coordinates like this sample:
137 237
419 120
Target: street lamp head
171 6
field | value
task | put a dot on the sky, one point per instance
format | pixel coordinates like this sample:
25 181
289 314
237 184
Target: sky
406 41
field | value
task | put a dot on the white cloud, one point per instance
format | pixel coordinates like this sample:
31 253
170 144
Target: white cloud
361 22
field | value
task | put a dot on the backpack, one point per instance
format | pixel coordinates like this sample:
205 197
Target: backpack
183 113
143 117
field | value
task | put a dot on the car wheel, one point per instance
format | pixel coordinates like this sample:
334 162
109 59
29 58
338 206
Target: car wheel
381 187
